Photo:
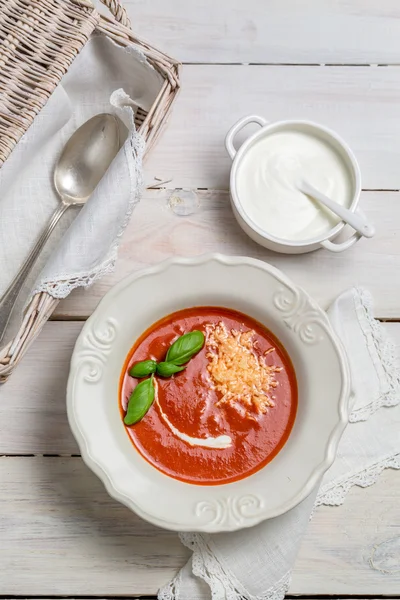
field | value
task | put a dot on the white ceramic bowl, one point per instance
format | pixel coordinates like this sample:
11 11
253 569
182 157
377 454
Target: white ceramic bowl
253 230
258 290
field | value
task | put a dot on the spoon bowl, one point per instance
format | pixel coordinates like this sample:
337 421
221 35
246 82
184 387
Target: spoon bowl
85 159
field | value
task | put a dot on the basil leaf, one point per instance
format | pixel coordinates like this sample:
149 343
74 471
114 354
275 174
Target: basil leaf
185 347
143 368
140 401
166 369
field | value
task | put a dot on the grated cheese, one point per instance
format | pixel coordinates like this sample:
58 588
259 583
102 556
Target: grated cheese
243 378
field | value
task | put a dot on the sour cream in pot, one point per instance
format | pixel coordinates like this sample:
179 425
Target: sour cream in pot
267 184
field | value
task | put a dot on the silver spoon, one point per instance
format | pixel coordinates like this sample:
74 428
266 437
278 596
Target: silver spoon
83 162
356 221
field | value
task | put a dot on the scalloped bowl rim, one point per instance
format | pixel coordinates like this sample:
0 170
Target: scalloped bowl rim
332 442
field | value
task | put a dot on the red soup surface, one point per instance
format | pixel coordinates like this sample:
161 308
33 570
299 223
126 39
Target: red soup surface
193 405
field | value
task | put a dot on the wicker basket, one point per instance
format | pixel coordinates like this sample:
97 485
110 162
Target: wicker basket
39 39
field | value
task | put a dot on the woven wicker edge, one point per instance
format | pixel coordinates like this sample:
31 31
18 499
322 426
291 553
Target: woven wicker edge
118 29
39 41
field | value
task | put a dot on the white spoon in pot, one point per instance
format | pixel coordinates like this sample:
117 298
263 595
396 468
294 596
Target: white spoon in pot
357 221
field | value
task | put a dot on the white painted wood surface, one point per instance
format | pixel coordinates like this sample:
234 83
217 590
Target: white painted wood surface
55 516
60 533
32 404
277 31
156 233
360 103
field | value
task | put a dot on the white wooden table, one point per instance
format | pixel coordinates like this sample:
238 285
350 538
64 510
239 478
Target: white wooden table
334 62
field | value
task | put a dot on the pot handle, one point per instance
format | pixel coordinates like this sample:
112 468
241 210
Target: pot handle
230 136
328 245
332 247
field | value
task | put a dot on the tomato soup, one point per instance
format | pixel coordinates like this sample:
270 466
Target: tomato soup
228 413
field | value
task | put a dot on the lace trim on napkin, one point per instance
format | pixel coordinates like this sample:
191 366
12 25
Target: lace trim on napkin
383 355
223 585
206 565
171 591
336 492
134 151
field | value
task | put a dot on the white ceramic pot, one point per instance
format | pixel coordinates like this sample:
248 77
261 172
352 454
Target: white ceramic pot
263 237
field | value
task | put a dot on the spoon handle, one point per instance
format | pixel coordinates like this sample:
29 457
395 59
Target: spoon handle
357 221
8 299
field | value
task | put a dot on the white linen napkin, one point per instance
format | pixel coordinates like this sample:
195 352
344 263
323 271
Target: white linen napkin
256 563
88 249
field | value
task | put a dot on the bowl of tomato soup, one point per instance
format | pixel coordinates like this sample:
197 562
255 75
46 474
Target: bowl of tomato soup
229 412
208 394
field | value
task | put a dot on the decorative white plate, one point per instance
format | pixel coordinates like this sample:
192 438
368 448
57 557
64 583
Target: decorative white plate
244 284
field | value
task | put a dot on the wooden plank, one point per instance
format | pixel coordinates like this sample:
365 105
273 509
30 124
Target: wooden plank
156 233
73 539
352 549
282 31
32 402
360 103
56 517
